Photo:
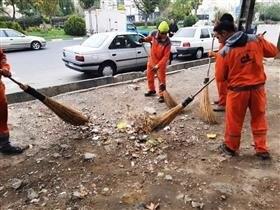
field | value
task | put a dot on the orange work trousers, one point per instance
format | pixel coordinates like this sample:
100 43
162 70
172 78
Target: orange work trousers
161 75
222 91
4 131
237 104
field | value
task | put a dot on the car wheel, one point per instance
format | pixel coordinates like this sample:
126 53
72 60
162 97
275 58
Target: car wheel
35 45
199 53
107 69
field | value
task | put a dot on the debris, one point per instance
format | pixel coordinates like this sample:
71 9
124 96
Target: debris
211 135
197 204
150 110
31 194
168 178
121 125
89 156
16 183
152 206
160 174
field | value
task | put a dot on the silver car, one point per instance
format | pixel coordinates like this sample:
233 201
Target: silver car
107 53
11 39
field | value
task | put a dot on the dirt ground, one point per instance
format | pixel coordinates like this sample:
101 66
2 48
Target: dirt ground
108 165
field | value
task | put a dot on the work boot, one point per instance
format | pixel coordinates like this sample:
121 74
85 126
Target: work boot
8 149
150 93
161 99
219 108
263 155
225 150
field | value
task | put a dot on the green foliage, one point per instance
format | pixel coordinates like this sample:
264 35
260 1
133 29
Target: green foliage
66 7
75 26
180 9
32 21
146 7
87 4
11 24
190 20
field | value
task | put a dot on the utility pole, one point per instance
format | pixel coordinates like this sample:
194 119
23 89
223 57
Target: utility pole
246 15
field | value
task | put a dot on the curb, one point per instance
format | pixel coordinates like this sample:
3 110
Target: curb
75 38
131 77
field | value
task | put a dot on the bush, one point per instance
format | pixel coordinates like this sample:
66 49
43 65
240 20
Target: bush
13 25
190 20
59 21
27 22
75 26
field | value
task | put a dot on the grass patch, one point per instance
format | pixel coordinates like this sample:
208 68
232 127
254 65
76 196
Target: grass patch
48 34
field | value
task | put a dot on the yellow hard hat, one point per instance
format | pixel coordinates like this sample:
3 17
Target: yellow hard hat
163 27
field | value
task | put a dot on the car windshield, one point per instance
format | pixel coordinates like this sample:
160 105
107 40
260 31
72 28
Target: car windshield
95 41
185 32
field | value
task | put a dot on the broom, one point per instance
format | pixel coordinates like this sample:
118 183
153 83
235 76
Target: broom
205 110
67 114
168 99
157 123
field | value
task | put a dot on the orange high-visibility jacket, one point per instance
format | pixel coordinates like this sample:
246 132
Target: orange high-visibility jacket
3 62
240 61
160 51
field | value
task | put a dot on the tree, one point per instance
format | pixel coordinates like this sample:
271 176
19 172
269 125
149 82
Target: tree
146 7
180 9
163 6
195 4
66 7
87 4
13 4
48 8
271 12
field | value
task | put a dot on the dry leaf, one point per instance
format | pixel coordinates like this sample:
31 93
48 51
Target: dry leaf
152 206
211 135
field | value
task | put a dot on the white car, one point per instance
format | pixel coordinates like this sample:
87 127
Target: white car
11 39
107 53
193 41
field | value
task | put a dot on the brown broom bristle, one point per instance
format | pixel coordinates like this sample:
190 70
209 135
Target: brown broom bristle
67 114
205 109
168 99
164 119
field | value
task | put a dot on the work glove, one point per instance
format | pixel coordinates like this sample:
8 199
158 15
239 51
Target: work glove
187 101
5 73
141 40
211 54
206 80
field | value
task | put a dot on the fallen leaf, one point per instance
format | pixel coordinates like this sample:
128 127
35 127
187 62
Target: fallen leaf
122 125
152 206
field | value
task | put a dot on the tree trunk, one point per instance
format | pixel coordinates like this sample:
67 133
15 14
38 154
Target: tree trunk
14 12
146 20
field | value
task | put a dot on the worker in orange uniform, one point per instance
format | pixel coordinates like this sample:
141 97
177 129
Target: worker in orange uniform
158 59
221 86
240 63
5 146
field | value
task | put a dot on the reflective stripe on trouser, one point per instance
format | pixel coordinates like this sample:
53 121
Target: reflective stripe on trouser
4 131
161 75
237 104
222 91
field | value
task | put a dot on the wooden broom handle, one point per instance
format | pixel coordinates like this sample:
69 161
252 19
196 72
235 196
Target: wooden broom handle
22 86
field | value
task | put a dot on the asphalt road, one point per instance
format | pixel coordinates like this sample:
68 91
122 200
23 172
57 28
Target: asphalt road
44 68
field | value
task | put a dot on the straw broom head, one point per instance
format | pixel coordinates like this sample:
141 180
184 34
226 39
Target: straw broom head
67 114
205 109
168 99
156 123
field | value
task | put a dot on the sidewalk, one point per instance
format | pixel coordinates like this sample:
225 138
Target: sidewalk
110 165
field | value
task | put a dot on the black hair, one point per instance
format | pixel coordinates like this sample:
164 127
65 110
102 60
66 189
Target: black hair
226 17
224 26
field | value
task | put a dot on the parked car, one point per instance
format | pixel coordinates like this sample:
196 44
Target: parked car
107 53
11 39
193 41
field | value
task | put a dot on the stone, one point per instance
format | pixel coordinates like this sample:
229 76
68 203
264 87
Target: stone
89 156
180 196
160 174
168 178
16 183
31 194
197 205
150 110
